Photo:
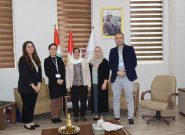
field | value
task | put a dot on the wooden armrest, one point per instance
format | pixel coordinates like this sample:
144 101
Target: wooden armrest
170 99
143 94
135 89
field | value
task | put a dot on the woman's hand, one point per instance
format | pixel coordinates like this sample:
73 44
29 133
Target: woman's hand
104 85
38 87
88 88
68 90
35 88
60 81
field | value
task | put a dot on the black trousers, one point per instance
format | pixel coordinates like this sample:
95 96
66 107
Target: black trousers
28 107
79 93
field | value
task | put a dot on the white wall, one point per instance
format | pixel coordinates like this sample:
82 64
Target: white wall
145 72
34 20
177 40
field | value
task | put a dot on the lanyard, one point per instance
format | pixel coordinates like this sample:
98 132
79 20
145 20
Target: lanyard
56 64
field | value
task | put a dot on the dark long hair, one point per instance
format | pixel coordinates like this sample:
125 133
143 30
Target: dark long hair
34 55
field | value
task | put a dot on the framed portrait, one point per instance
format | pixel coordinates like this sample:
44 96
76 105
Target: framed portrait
111 21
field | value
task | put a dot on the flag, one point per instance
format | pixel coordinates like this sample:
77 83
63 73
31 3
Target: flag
90 47
70 45
57 41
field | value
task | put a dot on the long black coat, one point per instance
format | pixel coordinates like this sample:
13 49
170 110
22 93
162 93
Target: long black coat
27 76
55 89
103 73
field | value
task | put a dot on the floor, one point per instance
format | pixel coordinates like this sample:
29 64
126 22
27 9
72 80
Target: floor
177 127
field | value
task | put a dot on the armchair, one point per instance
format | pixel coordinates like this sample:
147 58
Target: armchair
163 94
123 103
43 100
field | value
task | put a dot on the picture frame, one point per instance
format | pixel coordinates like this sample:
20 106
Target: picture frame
111 21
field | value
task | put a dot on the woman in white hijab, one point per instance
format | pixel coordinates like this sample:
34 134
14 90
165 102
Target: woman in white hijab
78 81
99 68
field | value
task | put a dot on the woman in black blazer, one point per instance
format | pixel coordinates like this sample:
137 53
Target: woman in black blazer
29 84
99 68
55 71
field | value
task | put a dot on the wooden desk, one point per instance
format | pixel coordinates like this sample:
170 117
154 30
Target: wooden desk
181 105
86 130
12 116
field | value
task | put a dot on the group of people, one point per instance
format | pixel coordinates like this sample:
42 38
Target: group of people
78 77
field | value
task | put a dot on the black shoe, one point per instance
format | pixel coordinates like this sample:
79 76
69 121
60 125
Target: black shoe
29 128
130 121
75 119
54 120
96 118
118 119
36 125
83 118
58 119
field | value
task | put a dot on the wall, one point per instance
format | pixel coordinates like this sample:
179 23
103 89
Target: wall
145 72
34 20
177 40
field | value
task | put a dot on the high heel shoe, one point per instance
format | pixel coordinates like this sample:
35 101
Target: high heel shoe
36 125
29 128
54 120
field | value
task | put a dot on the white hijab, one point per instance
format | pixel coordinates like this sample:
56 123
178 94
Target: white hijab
79 60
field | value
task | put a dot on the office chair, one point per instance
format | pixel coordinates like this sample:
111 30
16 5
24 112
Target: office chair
163 94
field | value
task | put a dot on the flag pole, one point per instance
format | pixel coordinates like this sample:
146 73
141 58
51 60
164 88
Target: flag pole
70 27
57 41
90 46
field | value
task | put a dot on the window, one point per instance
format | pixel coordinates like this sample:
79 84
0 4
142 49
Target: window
76 16
6 35
147 29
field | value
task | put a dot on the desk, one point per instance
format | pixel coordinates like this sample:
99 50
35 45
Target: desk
86 130
4 105
181 101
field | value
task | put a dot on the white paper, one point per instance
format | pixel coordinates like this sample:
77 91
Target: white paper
111 127
99 122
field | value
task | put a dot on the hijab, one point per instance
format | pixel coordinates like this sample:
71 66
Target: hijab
96 61
79 60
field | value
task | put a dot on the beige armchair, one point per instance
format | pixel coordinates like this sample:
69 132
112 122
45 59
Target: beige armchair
162 91
42 103
123 103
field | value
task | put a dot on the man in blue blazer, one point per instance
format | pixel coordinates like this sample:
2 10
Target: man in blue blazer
122 61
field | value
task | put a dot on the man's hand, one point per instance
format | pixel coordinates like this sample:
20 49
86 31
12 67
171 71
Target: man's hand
121 73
